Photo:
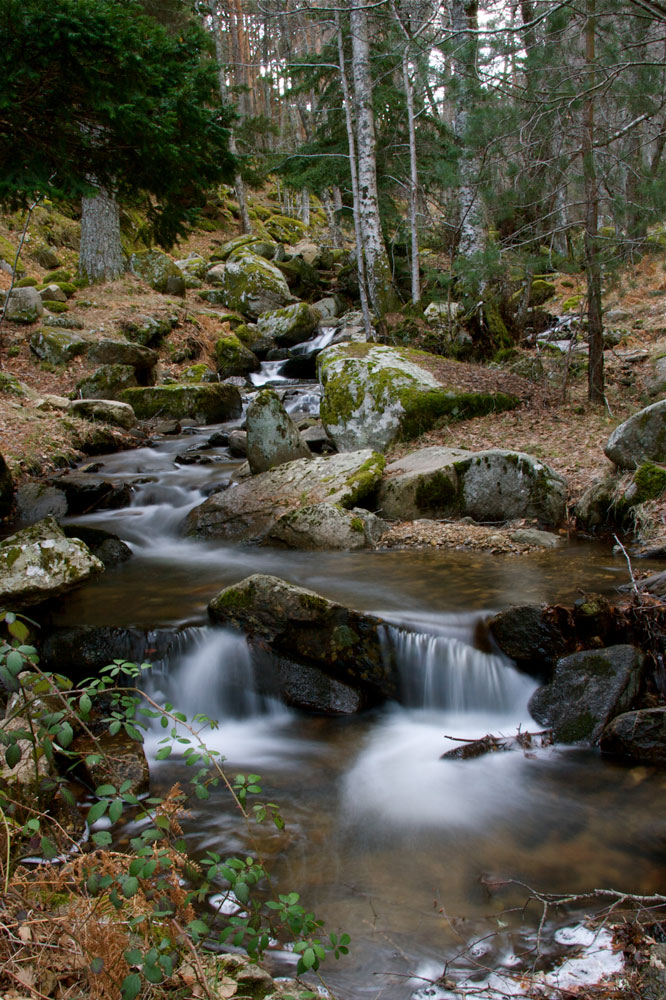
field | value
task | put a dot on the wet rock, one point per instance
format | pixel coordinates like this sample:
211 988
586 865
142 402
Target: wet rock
253 285
6 489
597 507
24 305
202 404
534 538
587 691
35 501
306 628
109 411
86 493
305 687
272 436
158 271
82 650
491 485
237 442
108 548
251 508
639 439
327 526
58 347
374 395
233 358
291 325
39 562
122 760
107 382
640 736
534 636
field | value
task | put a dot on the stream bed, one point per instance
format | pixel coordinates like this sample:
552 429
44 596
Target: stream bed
411 855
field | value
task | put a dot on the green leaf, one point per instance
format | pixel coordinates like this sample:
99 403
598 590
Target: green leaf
241 892
13 755
85 705
102 838
130 886
153 973
131 986
14 663
49 849
114 727
105 790
197 929
18 630
115 810
308 959
133 956
33 824
201 792
97 965
163 753
65 735
97 810
93 758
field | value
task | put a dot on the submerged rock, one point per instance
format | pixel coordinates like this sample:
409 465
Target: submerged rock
306 628
587 691
250 509
39 562
637 735
375 395
272 436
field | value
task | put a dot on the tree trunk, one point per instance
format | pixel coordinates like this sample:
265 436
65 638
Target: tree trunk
101 254
595 373
334 233
377 267
413 182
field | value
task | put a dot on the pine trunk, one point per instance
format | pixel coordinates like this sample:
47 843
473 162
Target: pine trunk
101 254
595 372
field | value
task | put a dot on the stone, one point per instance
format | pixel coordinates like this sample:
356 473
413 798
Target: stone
306 628
64 322
231 246
122 352
309 251
374 395
6 488
535 538
587 691
250 337
108 548
291 325
253 285
272 436
193 266
285 228
158 271
316 438
233 358
52 293
149 331
491 485
39 563
122 760
107 382
639 439
109 411
86 493
201 403
639 736
24 305
250 509
215 274
305 687
442 313
237 443
597 507
327 526
534 636
327 308
35 501
58 347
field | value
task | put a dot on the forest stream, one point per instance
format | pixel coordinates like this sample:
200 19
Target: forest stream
405 852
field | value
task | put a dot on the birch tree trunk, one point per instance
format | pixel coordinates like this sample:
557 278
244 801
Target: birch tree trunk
595 371
378 271
413 181
101 254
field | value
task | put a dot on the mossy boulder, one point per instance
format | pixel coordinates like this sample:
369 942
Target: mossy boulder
51 293
233 358
587 691
249 510
327 526
303 280
198 373
291 325
252 285
639 439
637 736
109 411
203 404
24 305
231 246
540 292
39 562
250 337
285 228
158 271
193 266
54 306
374 395
107 382
58 347
309 629
649 482
8 257
108 351
272 436
6 488
493 485
149 331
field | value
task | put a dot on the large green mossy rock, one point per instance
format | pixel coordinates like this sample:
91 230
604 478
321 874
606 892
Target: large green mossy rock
291 325
107 382
285 228
249 510
58 347
202 403
40 562
587 691
158 271
272 436
149 331
375 395
639 439
493 485
233 358
108 351
252 285
6 488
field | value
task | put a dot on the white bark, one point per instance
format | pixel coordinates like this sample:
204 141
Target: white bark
101 254
334 233
413 181
305 206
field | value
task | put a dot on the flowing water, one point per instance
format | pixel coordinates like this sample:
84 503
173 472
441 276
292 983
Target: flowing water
410 854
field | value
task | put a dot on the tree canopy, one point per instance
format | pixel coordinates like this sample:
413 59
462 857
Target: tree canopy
98 92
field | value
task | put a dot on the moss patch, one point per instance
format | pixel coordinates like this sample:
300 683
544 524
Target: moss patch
650 480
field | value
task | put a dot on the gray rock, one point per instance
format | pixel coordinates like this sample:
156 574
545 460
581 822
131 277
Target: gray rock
193 266
202 403
307 628
53 293
58 347
272 436
316 437
305 687
64 322
656 384
328 307
121 352
252 507
637 735
107 382
374 395
489 485
215 274
237 441
534 537
149 331
640 438
24 306
233 358
39 562
6 488
35 501
108 548
597 506
86 493
327 526
533 636
157 270
291 325
587 691
109 411
253 285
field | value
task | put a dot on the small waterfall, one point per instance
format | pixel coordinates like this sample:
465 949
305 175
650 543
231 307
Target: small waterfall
442 672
